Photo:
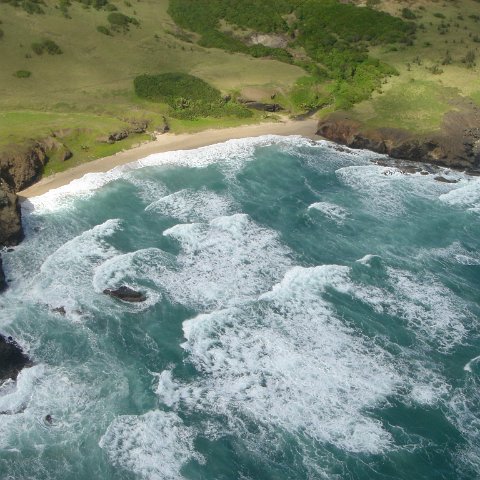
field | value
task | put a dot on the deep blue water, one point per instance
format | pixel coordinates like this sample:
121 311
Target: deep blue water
310 315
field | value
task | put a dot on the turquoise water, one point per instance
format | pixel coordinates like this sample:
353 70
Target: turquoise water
310 315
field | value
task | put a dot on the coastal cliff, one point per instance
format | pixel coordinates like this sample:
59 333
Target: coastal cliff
11 232
455 145
19 168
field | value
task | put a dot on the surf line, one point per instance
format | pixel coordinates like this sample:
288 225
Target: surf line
468 366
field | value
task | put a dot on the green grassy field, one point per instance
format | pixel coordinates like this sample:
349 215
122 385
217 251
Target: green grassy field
88 88
90 85
420 96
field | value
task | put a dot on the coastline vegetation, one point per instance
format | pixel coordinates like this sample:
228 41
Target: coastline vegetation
383 63
189 97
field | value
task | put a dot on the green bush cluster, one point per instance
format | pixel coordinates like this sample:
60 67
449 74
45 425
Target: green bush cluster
408 14
104 30
169 87
203 16
187 110
335 36
48 46
22 74
119 21
98 4
30 6
189 97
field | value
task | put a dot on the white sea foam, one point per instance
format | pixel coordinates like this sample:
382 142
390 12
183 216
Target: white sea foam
149 190
430 308
330 210
368 259
463 412
289 363
454 253
15 396
231 156
42 390
465 194
65 276
386 189
225 261
141 270
470 363
154 446
192 206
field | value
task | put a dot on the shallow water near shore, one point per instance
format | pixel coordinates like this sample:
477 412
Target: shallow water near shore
309 315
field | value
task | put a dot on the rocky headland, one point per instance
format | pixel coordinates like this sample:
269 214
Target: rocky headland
456 144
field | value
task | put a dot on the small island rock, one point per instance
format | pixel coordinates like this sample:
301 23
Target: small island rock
12 358
126 294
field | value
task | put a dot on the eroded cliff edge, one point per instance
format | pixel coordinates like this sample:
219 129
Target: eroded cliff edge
19 168
456 144
11 231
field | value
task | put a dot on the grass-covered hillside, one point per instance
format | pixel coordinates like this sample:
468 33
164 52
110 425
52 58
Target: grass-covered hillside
87 69
87 90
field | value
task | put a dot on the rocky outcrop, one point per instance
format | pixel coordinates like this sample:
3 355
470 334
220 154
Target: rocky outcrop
136 126
263 107
456 145
126 294
20 167
11 232
12 359
3 282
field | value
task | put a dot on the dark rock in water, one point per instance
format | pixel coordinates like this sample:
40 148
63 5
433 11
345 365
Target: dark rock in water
12 359
3 283
445 180
60 310
126 294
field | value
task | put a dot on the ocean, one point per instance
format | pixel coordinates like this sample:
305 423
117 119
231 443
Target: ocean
310 314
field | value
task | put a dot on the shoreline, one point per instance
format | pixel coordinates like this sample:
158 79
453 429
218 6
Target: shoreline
170 142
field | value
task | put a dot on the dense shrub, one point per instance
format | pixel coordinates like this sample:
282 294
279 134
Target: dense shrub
189 97
30 6
408 14
103 29
334 34
119 21
22 74
48 46
169 87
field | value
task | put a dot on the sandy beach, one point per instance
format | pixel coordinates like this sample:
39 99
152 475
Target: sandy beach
171 142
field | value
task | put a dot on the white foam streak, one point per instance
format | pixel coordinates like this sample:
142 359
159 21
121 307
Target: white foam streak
292 364
225 262
153 446
468 365
192 206
330 210
65 275
465 195
231 155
